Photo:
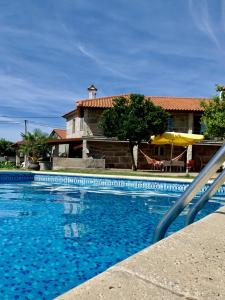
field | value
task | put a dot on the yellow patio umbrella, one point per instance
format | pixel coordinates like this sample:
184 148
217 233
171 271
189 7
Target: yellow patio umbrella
176 139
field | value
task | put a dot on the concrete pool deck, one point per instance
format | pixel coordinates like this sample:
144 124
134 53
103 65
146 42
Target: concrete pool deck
189 264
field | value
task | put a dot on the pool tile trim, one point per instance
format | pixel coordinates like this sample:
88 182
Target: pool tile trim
9 177
120 182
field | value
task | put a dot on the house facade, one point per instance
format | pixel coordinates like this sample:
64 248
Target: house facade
85 139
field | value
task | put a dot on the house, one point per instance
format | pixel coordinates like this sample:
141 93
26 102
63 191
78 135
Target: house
58 134
85 139
59 148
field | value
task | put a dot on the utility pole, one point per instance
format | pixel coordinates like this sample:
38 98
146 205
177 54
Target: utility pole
25 155
25 126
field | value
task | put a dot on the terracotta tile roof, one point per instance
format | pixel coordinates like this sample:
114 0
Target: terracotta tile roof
168 103
60 132
18 143
179 103
103 102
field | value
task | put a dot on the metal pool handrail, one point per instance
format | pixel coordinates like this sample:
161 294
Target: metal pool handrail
205 198
202 178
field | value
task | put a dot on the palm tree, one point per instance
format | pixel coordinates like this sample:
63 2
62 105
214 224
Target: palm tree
35 145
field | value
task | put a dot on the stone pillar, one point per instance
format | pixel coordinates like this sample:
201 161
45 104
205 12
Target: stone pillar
85 150
190 130
17 159
135 152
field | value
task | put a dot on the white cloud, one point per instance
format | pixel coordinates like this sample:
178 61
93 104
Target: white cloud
203 20
106 64
27 96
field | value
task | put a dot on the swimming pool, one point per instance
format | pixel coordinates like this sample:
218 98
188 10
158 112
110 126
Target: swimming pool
55 236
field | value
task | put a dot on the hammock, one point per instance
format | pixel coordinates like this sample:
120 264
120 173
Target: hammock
179 156
152 161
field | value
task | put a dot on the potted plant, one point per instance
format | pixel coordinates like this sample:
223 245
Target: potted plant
45 163
35 146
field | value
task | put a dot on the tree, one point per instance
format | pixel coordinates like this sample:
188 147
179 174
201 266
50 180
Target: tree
213 118
35 145
133 119
6 148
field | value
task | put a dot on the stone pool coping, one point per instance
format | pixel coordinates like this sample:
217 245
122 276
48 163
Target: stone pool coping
144 178
151 178
189 264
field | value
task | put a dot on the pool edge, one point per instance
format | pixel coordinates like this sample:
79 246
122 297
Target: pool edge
189 263
115 176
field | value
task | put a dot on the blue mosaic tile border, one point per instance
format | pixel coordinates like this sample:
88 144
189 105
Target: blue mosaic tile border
8 177
127 184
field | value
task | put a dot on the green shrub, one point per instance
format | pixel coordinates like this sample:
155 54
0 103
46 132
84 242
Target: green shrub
7 165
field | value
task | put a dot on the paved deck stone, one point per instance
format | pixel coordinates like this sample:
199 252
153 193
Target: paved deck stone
189 264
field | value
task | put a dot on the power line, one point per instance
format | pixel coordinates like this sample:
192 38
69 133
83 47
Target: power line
8 122
26 117
33 123
25 126
45 125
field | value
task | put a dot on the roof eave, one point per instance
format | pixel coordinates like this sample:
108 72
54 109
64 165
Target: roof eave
69 113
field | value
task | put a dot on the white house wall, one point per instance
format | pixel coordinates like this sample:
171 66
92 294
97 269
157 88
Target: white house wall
70 133
90 124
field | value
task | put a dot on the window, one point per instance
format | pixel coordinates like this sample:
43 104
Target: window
197 125
74 125
170 123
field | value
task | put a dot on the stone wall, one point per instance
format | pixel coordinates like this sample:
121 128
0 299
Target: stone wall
202 154
8 158
91 120
116 154
77 163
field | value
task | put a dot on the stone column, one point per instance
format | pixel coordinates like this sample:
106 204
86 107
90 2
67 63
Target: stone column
190 130
135 152
85 150
17 159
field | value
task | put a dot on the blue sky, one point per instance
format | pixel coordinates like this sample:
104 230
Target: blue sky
52 50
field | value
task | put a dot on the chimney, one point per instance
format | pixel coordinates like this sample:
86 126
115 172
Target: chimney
92 92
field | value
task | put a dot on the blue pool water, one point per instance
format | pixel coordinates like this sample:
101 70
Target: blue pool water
54 237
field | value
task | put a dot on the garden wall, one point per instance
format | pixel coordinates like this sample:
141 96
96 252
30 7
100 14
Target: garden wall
77 163
116 154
